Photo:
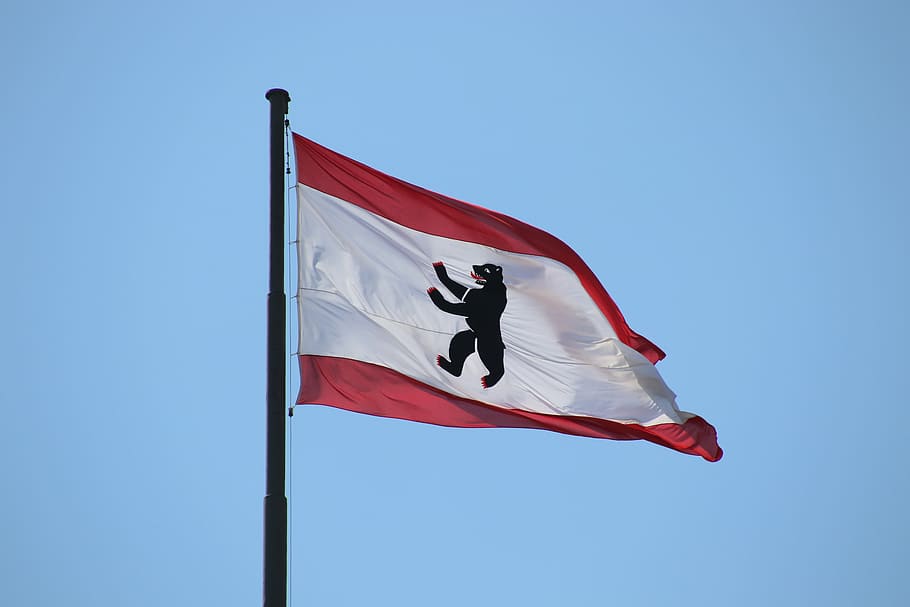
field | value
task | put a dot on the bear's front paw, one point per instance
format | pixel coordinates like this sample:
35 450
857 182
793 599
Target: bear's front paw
432 290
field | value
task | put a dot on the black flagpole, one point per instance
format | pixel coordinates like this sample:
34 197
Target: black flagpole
275 549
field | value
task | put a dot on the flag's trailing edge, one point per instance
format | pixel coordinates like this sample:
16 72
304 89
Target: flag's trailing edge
417 306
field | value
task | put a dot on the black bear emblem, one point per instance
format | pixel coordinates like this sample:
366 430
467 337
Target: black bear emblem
482 308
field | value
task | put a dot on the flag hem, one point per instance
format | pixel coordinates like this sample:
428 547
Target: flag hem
376 390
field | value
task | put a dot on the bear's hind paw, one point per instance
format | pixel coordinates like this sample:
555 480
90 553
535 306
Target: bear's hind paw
488 381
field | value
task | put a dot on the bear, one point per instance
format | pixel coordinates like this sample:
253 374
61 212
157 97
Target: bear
482 309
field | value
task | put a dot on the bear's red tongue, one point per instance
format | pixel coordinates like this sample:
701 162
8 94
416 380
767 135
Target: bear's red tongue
479 279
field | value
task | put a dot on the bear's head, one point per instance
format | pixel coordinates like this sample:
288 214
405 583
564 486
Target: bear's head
487 274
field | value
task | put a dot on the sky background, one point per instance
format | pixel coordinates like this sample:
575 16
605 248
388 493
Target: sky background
735 173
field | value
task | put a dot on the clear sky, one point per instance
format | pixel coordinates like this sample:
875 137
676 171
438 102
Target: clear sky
735 172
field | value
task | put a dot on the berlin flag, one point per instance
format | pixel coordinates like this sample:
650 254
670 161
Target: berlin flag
417 306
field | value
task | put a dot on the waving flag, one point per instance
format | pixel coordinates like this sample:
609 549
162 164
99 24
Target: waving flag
417 306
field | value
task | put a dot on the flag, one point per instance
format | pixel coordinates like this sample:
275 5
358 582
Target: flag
417 306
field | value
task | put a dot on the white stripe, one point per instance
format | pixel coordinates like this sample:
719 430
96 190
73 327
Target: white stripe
362 295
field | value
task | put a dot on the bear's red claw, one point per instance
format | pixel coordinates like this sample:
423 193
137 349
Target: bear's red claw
436 264
431 290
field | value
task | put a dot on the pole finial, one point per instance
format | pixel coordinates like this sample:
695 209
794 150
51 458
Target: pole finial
279 96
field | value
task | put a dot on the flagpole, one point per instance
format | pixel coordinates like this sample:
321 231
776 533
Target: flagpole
275 525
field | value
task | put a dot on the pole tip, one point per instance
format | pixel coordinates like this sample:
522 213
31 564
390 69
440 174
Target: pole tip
278 95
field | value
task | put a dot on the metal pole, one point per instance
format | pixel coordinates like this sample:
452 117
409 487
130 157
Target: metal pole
275 549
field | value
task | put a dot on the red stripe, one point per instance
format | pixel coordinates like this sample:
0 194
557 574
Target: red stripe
366 388
414 207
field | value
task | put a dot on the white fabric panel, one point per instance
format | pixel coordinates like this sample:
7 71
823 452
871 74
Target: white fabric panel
362 295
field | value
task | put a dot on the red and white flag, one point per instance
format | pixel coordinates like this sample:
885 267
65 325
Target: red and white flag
417 306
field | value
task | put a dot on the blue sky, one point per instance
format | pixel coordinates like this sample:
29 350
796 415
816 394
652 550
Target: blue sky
735 172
